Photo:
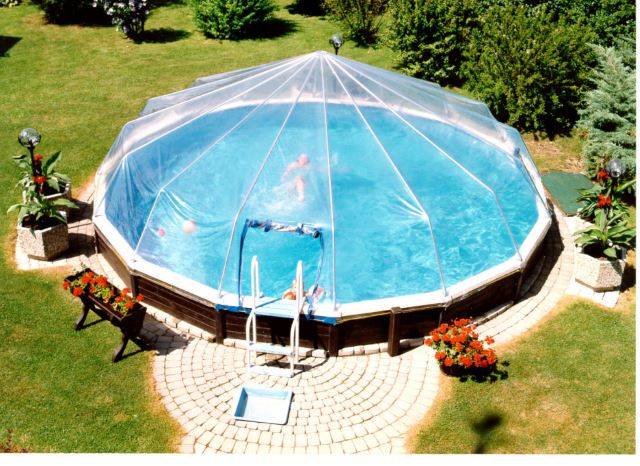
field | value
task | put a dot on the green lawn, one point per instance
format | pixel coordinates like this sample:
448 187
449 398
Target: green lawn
570 389
78 86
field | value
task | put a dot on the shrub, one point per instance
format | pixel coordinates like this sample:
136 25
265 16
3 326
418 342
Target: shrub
72 11
609 118
529 70
361 18
231 19
430 36
458 344
127 15
608 19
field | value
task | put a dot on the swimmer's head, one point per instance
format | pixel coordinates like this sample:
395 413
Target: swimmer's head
303 159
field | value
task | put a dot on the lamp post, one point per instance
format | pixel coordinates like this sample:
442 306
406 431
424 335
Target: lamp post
336 41
30 138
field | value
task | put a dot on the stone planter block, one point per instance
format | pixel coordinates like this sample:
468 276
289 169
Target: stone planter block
599 275
44 244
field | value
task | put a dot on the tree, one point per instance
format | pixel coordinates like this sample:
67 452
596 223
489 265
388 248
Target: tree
609 118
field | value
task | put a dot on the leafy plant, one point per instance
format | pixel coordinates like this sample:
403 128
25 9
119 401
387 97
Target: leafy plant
608 19
608 121
98 286
37 212
607 237
606 195
458 344
127 15
231 19
430 36
361 18
45 173
530 70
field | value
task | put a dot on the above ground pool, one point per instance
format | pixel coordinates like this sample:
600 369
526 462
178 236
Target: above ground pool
391 190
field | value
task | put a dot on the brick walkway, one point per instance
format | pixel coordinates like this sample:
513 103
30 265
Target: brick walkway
349 404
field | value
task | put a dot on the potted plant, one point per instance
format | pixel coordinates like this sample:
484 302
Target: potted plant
119 307
460 351
600 261
52 184
602 246
42 227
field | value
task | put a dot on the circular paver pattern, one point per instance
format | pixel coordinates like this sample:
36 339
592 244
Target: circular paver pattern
340 404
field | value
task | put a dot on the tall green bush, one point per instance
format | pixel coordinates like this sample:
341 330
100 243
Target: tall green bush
72 11
530 70
231 19
608 19
609 118
430 36
361 18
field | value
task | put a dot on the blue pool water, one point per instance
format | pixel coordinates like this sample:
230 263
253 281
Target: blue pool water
375 193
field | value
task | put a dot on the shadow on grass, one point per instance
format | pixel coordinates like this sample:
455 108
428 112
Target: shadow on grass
484 428
306 8
628 278
162 36
6 42
272 29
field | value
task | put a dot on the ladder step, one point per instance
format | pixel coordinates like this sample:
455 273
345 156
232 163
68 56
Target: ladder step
271 349
279 308
269 370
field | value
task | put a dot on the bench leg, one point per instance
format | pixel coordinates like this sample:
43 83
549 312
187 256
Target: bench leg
82 318
117 355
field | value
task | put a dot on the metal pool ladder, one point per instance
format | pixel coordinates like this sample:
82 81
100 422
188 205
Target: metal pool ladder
282 308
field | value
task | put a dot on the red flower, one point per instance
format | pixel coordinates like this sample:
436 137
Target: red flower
86 278
428 341
602 175
443 328
39 179
129 305
440 355
139 298
126 291
446 338
66 285
448 362
119 299
38 157
490 340
101 280
466 361
77 291
436 337
603 200
459 346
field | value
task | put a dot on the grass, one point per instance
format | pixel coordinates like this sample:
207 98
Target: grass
78 86
570 389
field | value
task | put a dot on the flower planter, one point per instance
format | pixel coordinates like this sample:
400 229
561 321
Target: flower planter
457 370
46 243
129 324
599 274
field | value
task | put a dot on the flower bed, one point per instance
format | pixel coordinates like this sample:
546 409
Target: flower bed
459 349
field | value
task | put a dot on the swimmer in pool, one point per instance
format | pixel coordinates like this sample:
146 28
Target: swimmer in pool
301 164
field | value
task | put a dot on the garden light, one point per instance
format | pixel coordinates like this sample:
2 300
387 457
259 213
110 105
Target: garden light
30 138
615 168
336 41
